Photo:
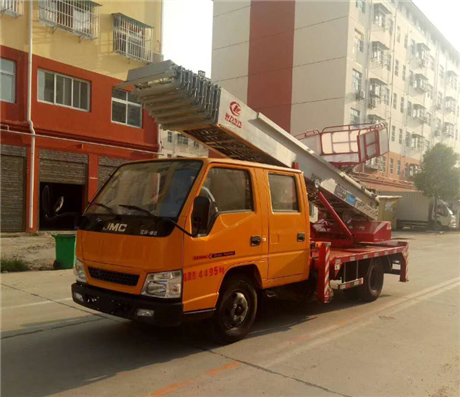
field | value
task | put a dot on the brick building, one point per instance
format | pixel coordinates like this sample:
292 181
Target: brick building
84 127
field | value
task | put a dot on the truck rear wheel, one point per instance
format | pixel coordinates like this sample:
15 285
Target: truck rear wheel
236 309
373 281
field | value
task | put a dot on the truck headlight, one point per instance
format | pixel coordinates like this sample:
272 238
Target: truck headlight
79 271
163 285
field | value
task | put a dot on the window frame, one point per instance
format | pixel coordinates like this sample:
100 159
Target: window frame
55 74
14 74
125 102
251 183
299 205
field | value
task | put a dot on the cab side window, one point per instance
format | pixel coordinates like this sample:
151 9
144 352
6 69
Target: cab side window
229 190
283 192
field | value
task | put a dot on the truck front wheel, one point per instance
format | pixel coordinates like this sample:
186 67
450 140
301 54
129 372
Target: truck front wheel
373 281
236 309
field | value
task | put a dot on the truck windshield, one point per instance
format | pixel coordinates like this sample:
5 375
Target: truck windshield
156 188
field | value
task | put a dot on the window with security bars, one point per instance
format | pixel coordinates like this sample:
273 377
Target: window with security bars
13 8
77 17
132 39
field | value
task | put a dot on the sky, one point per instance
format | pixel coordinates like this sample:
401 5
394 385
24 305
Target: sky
188 29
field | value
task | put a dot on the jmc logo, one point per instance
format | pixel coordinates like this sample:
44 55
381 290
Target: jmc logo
235 109
116 227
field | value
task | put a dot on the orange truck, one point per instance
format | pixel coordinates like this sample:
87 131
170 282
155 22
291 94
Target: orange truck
169 240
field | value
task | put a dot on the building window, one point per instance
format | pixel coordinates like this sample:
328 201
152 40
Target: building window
132 39
78 17
432 62
406 170
359 42
126 109
13 8
407 139
441 71
409 108
356 81
395 100
63 90
406 39
404 72
439 103
393 133
411 78
412 47
8 80
361 5
386 96
391 166
355 116
170 136
396 67
399 168
401 108
182 140
384 164
428 118
400 135
398 34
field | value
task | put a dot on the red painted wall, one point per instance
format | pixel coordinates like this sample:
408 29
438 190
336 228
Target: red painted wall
271 57
94 125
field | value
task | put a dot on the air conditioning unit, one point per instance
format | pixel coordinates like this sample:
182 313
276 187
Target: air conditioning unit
361 94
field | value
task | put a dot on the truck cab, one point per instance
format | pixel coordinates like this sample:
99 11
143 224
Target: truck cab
167 240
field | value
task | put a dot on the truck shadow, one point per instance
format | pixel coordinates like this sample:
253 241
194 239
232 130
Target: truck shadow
75 354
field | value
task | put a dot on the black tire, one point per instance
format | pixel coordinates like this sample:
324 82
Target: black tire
236 309
373 281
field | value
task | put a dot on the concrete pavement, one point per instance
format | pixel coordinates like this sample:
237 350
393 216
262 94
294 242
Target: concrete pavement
405 344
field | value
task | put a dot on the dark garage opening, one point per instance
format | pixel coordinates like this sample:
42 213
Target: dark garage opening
73 202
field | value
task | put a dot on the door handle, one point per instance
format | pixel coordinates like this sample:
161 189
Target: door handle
300 237
255 241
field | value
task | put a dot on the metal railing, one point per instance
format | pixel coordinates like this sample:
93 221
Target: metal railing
77 17
133 39
14 8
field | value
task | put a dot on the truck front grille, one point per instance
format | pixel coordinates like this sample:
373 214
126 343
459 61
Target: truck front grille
114 277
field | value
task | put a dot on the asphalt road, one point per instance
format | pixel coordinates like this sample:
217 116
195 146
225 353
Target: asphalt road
405 344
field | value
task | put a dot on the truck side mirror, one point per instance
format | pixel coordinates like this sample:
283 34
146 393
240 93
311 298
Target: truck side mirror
58 204
200 214
46 202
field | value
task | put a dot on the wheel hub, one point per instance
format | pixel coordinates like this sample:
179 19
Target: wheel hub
236 310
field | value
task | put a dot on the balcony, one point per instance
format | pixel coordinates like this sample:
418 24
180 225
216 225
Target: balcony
376 87
419 113
380 54
375 118
421 83
80 18
374 102
449 129
133 39
13 8
423 56
450 104
382 17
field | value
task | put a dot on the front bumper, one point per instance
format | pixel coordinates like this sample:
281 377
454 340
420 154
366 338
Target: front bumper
125 305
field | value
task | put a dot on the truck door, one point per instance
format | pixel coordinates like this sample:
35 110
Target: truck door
234 236
288 237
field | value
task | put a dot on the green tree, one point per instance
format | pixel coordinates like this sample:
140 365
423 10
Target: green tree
439 176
